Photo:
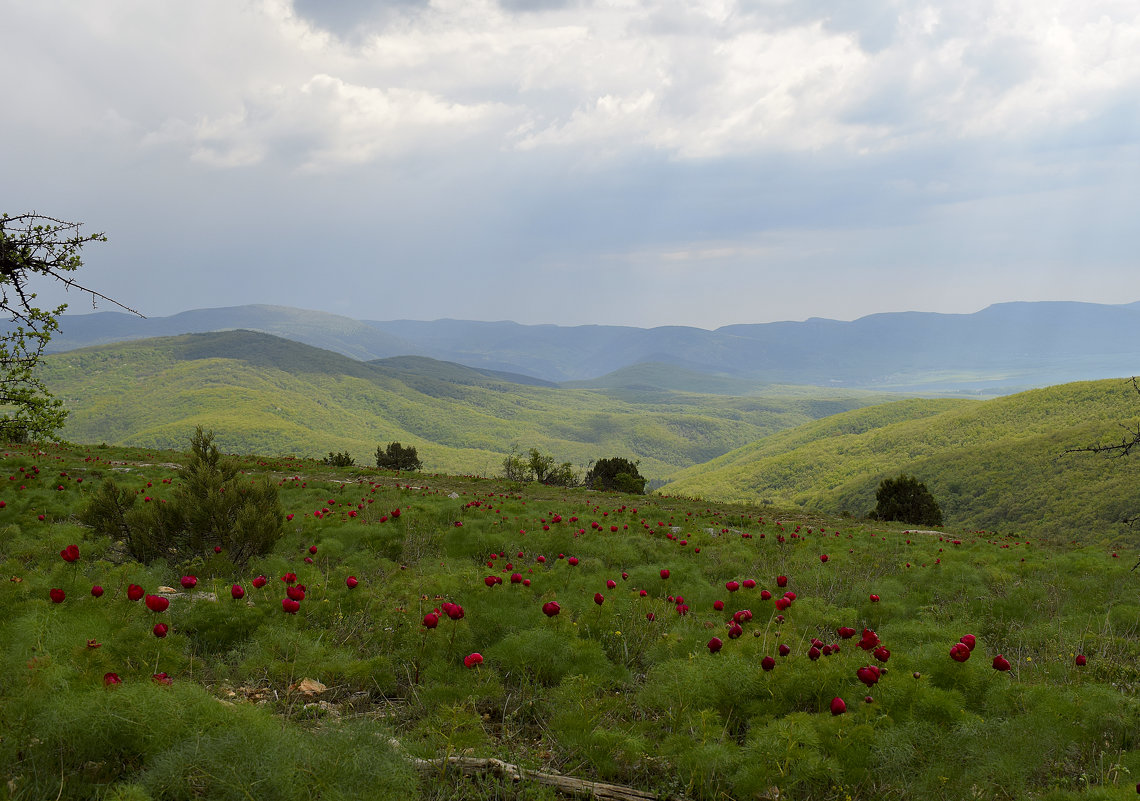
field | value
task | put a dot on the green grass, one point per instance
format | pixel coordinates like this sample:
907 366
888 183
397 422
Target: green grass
598 691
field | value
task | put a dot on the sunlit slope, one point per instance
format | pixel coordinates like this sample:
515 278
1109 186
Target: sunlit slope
263 394
990 464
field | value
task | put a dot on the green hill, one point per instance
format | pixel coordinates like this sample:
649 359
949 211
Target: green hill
264 394
991 464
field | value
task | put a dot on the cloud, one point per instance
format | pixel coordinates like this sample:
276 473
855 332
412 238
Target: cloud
691 153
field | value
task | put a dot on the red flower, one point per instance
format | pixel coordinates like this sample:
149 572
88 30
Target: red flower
715 644
189 582
874 599
749 584
735 631
351 582
162 678
838 706
471 660
664 572
97 591
784 649
781 581
157 603
491 581
959 652
290 606
259 582
161 630
969 640
870 640
1001 663
599 599
767 663
731 586
1081 660
718 606
217 549
237 592
289 578
823 557
881 653
743 616
295 593
651 617
782 604
516 578
455 611
572 561
765 595
57 595
610 584
551 608
845 632
431 620
70 553
312 549
395 512
135 592
868 674
111 679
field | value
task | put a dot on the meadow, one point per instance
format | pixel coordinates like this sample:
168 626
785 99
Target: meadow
681 648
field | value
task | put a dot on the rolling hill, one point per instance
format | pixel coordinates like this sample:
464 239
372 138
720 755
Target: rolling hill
991 464
264 394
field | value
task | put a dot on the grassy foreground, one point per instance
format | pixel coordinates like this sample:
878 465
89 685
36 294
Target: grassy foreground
587 645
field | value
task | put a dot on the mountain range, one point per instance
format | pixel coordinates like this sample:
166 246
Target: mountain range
1001 349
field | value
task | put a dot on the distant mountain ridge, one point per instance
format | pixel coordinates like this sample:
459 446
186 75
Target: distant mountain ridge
1002 348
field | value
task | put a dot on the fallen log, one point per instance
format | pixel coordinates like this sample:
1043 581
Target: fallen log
567 785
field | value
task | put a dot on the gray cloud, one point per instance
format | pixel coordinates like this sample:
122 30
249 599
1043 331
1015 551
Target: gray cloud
582 162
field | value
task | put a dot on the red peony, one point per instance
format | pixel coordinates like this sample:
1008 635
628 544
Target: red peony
551 608
135 592
157 603
189 582
57 595
70 553
237 592
161 630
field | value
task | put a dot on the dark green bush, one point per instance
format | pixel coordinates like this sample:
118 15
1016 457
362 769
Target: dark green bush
615 475
907 500
339 459
213 506
398 457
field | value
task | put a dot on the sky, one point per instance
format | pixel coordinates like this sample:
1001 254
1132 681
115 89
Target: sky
623 162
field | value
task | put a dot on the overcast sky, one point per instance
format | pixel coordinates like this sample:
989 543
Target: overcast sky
640 162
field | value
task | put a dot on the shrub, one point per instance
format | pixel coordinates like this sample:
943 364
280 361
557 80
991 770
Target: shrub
339 460
398 457
213 506
907 500
616 475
